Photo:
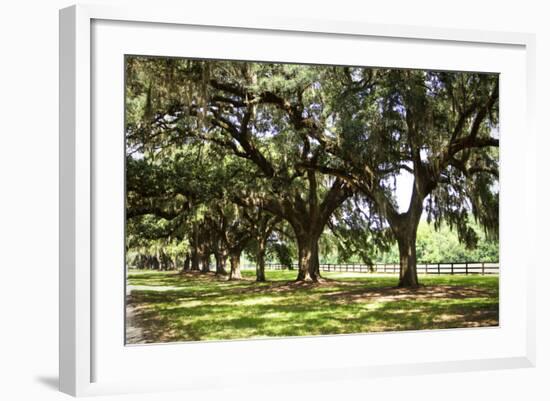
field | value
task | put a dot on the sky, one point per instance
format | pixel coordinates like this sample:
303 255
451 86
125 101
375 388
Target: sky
403 190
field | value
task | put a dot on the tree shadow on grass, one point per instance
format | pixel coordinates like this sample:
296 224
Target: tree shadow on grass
212 321
207 309
421 293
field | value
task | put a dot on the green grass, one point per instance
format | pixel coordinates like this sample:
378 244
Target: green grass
167 306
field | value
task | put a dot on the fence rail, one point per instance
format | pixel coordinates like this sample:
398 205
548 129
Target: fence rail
466 268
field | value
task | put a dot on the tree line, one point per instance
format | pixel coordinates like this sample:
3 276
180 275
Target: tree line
287 160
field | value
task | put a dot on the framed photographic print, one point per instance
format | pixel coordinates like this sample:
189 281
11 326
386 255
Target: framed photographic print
349 197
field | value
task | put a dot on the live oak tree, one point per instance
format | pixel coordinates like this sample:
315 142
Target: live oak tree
155 215
234 232
261 225
184 192
439 127
150 244
170 189
263 114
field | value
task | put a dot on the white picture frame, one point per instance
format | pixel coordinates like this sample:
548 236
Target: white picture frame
80 315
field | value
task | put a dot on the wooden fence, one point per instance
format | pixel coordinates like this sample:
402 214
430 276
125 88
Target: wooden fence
466 268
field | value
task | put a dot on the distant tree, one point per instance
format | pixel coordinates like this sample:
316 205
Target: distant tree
261 225
442 246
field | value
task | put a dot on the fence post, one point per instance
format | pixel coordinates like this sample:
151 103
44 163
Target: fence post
391 267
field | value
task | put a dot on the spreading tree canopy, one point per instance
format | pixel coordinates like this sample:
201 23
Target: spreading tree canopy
241 147
439 127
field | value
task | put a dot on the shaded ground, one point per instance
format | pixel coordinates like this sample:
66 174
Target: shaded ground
167 306
134 333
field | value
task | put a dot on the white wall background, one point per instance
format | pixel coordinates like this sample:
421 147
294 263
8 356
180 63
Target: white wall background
29 200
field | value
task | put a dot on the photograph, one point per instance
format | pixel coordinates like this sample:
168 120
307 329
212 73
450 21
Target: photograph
272 200
292 200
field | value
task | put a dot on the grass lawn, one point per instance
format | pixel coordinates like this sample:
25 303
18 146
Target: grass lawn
168 306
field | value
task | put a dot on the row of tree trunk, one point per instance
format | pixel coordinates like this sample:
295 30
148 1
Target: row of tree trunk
198 261
226 242
157 261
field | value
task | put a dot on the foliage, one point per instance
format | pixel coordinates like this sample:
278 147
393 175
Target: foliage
217 149
281 252
443 246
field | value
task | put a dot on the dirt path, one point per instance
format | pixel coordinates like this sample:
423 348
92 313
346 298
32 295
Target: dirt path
134 333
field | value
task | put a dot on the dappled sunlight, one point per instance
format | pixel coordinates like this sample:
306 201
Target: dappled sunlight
152 288
390 294
255 301
203 307
247 167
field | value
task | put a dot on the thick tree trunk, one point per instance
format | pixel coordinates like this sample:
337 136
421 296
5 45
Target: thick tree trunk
140 262
205 263
308 258
260 265
156 263
220 263
186 263
158 258
408 276
235 259
405 227
195 259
